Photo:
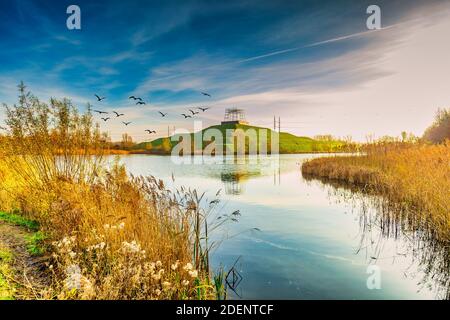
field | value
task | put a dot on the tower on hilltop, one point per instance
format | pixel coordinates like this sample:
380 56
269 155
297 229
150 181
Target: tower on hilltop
234 116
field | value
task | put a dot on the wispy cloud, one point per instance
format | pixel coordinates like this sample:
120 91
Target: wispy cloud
200 68
302 62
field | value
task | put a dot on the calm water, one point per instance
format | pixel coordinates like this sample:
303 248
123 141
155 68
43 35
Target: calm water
309 246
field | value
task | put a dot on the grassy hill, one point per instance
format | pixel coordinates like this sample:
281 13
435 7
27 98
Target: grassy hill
289 143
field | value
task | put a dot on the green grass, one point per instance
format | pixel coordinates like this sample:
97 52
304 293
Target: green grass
5 256
289 143
35 243
18 220
6 289
35 246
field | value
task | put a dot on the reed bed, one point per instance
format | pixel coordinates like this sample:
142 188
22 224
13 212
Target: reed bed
413 176
108 235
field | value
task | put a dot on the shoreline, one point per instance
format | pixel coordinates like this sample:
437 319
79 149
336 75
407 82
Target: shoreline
411 179
128 152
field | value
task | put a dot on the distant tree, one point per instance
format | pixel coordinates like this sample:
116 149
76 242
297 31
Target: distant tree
105 138
404 136
439 131
127 141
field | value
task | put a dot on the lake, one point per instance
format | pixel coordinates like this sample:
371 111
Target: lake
311 243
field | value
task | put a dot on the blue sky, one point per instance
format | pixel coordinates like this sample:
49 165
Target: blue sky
268 57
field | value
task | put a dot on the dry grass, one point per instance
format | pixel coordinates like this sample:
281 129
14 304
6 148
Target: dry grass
117 238
109 235
414 176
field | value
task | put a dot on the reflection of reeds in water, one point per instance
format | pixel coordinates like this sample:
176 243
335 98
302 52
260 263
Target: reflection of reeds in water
409 186
233 182
383 218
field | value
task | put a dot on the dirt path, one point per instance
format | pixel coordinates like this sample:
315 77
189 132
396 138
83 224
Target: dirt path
29 271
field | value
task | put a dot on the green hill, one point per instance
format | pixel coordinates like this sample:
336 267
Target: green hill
289 143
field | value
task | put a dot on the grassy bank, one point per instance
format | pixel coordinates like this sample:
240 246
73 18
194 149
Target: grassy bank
6 287
414 177
102 233
288 143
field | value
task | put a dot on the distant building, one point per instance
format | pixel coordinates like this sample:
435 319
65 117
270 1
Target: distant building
234 116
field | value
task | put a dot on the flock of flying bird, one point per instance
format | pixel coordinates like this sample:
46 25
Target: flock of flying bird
140 101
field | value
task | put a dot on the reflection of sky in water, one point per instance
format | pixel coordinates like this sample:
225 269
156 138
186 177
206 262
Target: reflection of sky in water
307 247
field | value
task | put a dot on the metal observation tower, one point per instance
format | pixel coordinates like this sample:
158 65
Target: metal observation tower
234 116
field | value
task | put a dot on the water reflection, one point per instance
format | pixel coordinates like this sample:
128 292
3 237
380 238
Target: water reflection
310 245
242 169
233 182
380 219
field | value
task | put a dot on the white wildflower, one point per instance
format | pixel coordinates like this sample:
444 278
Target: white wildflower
174 266
193 273
132 247
188 267
185 283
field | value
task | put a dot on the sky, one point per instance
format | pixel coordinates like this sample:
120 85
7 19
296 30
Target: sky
313 64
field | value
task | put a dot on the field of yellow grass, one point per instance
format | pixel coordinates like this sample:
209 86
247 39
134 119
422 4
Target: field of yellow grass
414 176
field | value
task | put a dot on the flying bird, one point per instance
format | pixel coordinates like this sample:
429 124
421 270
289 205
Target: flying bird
206 94
186 116
135 98
105 119
100 112
126 123
150 131
203 109
118 114
140 102
99 98
162 114
193 112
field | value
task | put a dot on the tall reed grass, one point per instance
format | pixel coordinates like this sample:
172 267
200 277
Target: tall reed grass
414 176
110 235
